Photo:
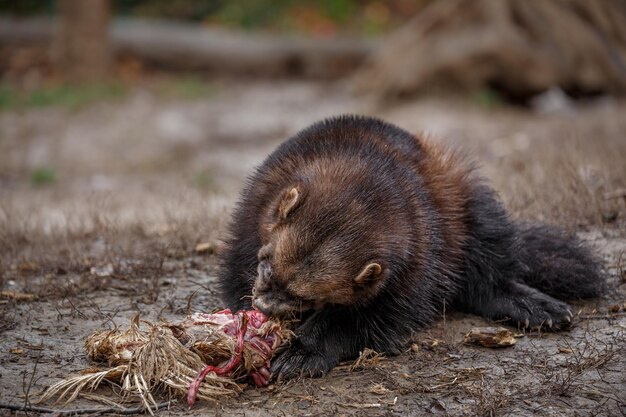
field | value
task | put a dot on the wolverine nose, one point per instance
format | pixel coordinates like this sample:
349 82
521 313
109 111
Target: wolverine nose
260 304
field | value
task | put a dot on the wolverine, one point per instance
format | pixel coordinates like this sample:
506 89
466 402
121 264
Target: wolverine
364 232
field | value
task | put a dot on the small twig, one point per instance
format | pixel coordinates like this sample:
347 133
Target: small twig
602 394
17 296
96 411
602 316
188 312
445 384
359 405
619 193
74 308
367 357
32 377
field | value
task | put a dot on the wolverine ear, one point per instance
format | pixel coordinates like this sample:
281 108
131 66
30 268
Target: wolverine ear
370 274
288 201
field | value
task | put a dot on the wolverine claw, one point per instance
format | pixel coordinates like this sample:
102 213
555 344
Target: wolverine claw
532 309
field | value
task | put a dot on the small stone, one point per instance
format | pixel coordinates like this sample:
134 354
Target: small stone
204 247
304 404
102 271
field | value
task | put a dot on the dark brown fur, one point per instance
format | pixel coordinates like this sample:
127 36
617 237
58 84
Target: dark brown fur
363 231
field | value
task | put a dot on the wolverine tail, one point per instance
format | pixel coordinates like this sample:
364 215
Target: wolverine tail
558 264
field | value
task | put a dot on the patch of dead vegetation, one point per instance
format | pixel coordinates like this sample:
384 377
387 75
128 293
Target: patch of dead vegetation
571 182
100 252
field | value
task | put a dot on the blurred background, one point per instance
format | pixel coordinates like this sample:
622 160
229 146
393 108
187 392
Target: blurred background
128 127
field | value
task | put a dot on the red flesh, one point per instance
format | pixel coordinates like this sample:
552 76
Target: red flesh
245 325
242 325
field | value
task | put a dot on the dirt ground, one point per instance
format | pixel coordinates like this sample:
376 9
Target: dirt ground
140 180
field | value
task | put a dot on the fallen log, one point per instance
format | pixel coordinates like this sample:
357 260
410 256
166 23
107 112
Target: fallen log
188 47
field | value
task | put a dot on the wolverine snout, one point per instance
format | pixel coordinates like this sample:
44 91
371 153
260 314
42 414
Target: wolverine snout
264 274
263 297
262 304
271 305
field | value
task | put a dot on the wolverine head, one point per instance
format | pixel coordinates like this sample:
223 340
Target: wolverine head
321 245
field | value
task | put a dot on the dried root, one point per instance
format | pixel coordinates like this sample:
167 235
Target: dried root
491 337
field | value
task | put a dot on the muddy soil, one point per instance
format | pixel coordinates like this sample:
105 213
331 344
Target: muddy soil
142 180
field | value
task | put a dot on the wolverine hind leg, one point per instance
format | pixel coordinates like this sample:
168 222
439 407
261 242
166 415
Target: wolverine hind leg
496 268
525 307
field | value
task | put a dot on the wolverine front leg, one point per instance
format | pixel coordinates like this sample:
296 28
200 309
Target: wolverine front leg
324 340
301 358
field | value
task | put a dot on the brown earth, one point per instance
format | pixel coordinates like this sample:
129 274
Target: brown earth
141 180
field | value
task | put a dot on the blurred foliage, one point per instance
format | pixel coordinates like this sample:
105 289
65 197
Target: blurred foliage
71 97
189 87
27 7
205 179
75 97
43 176
319 17
194 10
487 98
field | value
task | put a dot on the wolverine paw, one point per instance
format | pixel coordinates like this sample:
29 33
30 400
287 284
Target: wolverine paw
296 360
532 309
543 313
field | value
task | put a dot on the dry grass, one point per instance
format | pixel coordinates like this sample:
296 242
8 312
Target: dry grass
566 187
574 373
587 356
566 178
97 247
554 169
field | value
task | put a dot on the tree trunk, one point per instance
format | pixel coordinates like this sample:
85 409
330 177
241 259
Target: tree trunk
81 46
519 48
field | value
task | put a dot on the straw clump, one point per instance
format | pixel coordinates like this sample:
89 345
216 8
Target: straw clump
206 356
